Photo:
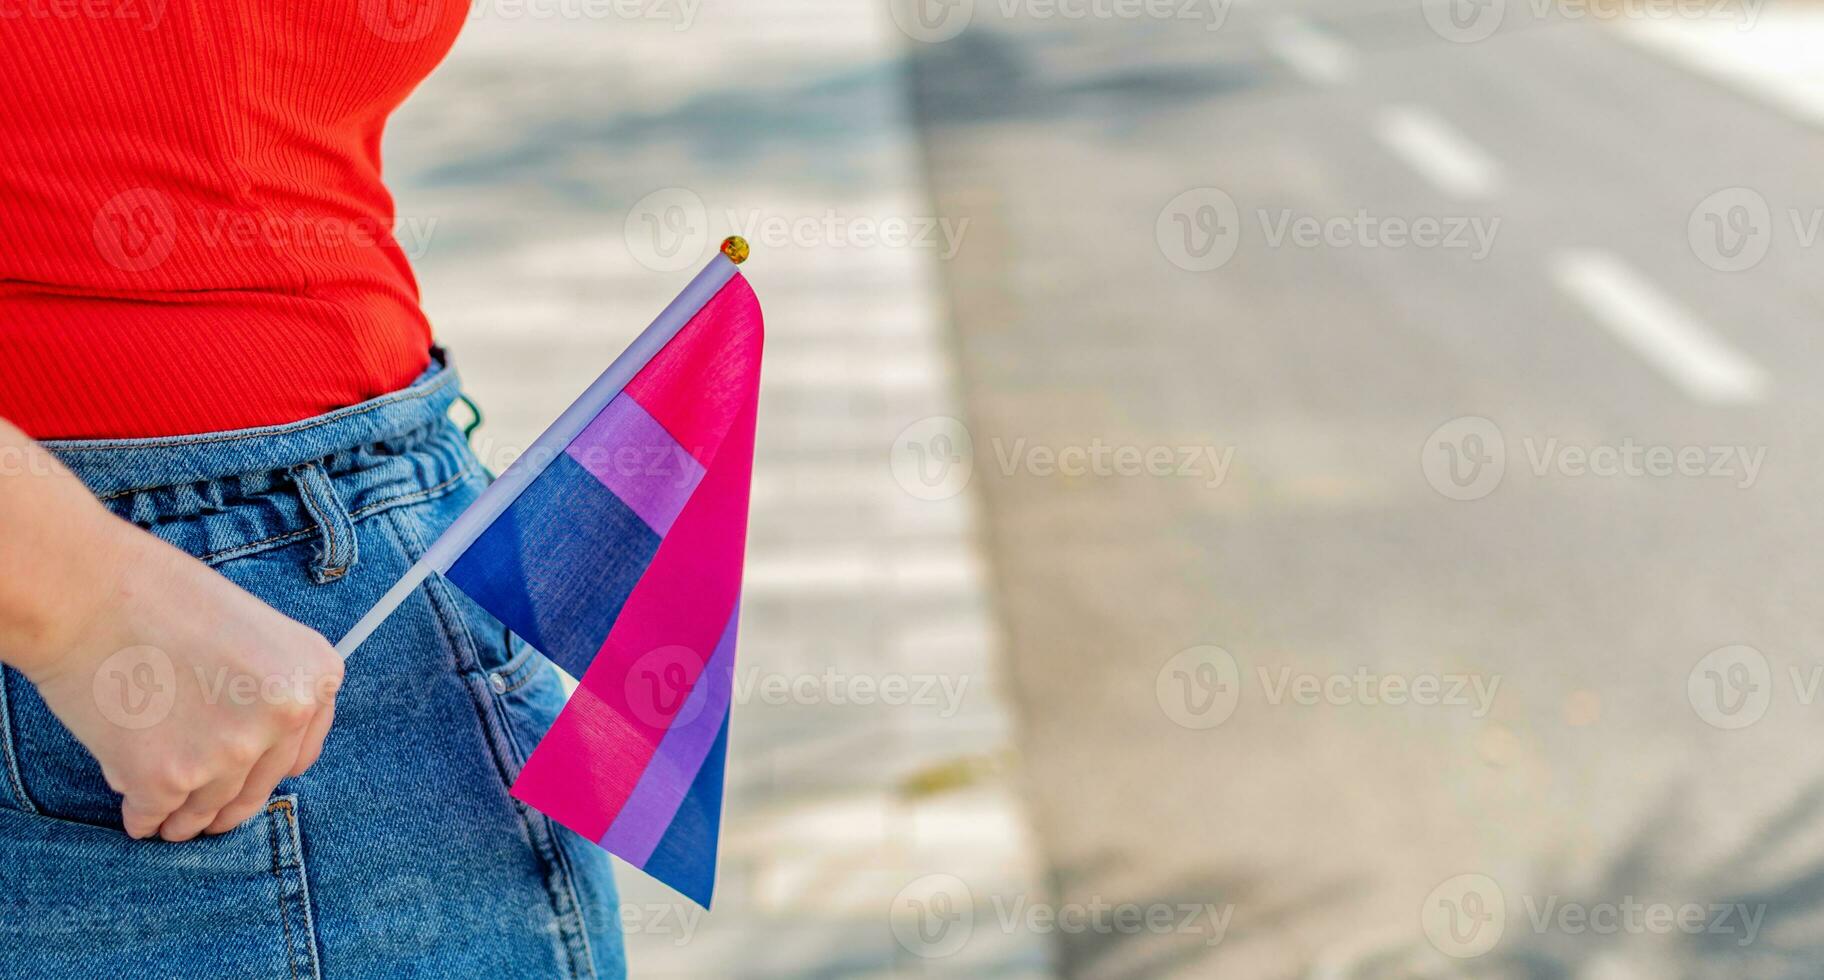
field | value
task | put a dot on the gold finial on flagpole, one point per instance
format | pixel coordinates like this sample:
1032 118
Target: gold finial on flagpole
735 247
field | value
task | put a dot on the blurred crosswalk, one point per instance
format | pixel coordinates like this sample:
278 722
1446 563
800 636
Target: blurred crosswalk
871 744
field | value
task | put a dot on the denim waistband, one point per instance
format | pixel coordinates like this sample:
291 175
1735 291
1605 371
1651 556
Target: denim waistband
221 495
116 466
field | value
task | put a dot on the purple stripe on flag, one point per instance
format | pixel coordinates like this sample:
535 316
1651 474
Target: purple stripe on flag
649 809
632 455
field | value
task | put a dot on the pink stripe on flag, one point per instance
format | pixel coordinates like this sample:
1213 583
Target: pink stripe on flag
587 766
633 455
655 800
689 385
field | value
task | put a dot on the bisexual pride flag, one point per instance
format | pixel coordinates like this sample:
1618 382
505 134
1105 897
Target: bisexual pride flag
614 546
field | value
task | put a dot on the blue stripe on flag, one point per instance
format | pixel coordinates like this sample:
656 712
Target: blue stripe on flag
686 856
589 549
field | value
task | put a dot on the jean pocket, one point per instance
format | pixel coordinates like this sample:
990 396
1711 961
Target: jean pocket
82 900
530 693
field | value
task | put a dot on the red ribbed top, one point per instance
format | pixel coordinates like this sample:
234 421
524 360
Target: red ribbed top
193 231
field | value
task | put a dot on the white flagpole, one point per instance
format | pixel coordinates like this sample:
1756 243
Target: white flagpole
503 491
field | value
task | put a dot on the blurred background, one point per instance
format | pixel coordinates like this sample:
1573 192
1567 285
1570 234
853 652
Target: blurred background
1246 488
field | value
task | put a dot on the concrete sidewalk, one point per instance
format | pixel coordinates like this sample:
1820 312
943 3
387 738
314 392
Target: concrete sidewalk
558 180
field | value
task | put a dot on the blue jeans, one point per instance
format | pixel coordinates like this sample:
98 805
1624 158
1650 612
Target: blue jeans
400 853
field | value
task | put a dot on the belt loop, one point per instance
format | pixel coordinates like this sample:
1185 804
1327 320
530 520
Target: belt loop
339 550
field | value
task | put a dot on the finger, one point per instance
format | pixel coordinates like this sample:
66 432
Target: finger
261 780
311 748
142 812
200 809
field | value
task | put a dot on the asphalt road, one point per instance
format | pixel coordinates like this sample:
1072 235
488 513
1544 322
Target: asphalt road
1567 770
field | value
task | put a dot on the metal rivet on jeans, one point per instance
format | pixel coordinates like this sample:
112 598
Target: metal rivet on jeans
498 683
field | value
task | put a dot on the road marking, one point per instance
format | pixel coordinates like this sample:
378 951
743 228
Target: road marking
1315 55
1776 61
1670 337
1440 153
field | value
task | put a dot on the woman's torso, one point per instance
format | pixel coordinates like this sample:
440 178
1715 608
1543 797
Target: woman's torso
195 235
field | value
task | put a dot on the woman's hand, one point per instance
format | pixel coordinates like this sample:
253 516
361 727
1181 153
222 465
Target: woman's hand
195 697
